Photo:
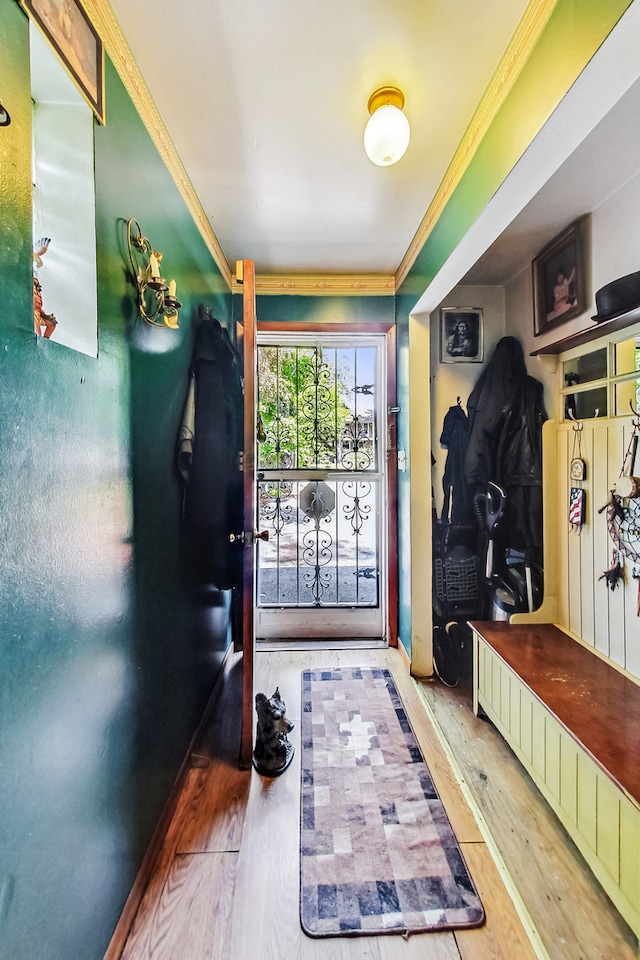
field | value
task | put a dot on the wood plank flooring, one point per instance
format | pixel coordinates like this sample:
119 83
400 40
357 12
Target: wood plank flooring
573 916
227 877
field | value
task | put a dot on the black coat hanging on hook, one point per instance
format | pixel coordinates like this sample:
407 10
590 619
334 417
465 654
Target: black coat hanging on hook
457 498
209 445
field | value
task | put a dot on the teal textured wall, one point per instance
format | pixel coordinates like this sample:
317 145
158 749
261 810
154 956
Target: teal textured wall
107 655
290 308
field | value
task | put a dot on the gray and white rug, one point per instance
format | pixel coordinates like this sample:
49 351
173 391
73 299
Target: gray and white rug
377 854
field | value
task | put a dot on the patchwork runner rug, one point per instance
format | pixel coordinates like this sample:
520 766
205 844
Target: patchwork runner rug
377 852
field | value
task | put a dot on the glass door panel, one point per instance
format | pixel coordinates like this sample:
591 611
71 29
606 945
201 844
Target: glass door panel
321 488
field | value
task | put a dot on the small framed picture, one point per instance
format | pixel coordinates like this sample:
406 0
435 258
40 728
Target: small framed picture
67 27
560 278
461 335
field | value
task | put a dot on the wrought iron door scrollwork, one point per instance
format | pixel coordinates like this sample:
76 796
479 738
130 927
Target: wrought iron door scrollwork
275 504
358 510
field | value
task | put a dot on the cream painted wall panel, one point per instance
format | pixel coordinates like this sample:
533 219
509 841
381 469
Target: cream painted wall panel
526 724
608 827
630 850
496 683
587 572
552 758
633 627
514 711
564 569
617 640
587 800
538 739
420 501
600 538
569 777
631 596
505 697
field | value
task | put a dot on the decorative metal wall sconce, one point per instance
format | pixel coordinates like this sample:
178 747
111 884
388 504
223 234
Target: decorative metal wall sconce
157 303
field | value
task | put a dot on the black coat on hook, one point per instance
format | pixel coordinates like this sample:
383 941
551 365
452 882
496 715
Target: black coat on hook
457 498
213 500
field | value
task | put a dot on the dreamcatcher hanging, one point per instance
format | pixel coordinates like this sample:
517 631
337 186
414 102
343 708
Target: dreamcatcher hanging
623 512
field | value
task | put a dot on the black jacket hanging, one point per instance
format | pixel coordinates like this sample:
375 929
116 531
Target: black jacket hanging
457 500
210 441
506 413
493 393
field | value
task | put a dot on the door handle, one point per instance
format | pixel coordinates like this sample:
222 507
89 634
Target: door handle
248 536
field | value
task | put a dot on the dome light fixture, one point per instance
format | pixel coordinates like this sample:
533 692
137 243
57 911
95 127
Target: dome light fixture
387 133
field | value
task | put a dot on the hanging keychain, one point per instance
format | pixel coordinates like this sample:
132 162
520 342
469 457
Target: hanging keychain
577 474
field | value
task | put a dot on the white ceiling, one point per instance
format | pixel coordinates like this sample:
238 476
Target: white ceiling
266 103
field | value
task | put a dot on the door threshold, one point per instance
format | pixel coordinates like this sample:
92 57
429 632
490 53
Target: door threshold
323 643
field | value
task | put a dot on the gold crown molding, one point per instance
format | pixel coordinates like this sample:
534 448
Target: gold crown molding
115 44
344 285
507 72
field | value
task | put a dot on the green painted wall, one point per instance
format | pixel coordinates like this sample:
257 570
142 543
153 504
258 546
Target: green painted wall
108 656
298 309
571 37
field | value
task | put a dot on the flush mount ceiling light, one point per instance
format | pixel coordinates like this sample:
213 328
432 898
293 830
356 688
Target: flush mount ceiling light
387 133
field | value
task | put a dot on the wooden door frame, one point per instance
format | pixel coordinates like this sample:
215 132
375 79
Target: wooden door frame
249 486
389 331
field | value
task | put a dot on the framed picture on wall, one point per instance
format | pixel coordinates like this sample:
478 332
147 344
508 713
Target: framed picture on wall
461 334
67 27
560 278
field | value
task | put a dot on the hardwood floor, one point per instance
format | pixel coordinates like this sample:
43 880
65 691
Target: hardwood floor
227 877
572 914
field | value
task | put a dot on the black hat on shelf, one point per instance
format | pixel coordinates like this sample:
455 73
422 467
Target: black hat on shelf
618 297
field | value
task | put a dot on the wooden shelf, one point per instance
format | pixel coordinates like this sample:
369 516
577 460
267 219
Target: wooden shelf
594 332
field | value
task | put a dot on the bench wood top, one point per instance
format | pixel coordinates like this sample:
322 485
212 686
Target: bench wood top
598 705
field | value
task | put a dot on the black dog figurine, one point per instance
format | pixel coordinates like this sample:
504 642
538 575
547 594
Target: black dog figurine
273 752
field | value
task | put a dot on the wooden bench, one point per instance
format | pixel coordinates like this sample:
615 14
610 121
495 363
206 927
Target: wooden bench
573 720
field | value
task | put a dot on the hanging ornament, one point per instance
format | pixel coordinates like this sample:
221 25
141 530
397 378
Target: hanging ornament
623 506
577 474
578 469
577 506
615 574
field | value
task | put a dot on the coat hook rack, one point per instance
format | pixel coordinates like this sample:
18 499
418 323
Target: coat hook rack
577 424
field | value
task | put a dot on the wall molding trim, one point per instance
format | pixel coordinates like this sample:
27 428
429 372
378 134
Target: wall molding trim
527 34
115 44
344 285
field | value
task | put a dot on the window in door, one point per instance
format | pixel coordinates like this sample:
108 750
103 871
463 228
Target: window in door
321 487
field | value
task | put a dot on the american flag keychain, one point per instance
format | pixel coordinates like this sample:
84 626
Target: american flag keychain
577 474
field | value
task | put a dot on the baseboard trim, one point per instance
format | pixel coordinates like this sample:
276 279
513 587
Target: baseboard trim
406 659
145 871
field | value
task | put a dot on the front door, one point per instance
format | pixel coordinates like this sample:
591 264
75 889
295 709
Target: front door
321 486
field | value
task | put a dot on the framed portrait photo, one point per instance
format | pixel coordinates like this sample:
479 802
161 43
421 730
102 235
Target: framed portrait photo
461 334
560 278
67 27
